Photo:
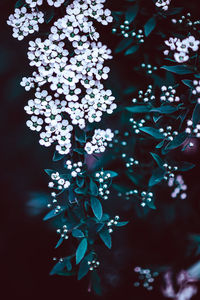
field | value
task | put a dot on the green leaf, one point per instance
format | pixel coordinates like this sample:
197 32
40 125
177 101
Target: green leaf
156 177
179 69
131 13
93 188
165 109
125 43
19 3
149 26
157 158
80 191
53 213
59 242
188 82
79 151
59 266
196 115
81 250
132 49
120 224
49 171
106 237
153 132
177 141
68 265
77 233
57 156
96 207
139 108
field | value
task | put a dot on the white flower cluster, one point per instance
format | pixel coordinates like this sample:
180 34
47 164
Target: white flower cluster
24 22
146 278
99 141
103 181
163 4
196 90
168 133
195 131
180 187
58 182
111 223
169 94
63 232
181 47
65 74
34 3
93 264
75 168
145 96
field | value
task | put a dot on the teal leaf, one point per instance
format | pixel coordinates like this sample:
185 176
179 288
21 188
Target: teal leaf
156 177
188 82
185 166
149 26
125 43
79 151
111 173
57 156
132 49
96 283
93 188
165 109
139 108
120 224
177 141
80 191
96 207
80 135
154 132
53 213
81 250
159 145
68 265
59 242
77 233
106 237
59 266
131 13
196 115
49 171
158 160
179 69
80 181
84 267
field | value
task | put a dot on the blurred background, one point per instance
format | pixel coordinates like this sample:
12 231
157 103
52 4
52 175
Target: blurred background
27 243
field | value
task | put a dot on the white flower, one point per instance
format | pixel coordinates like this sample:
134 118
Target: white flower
34 3
181 57
35 123
45 139
56 3
27 83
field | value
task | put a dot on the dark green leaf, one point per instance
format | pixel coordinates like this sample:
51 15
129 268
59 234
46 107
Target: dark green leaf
81 250
49 15
132 49
196 115
106 237
58 267
80 181
159 145
177 141
79 151
149 26
19 3
68 264
77 233
96 207
153 132
125 43
139 109
96 283
185 166
179 69
80 135
157 158
111 173
49 171
131 13
84 267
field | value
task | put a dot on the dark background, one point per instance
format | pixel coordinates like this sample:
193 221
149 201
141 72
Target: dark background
27 243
